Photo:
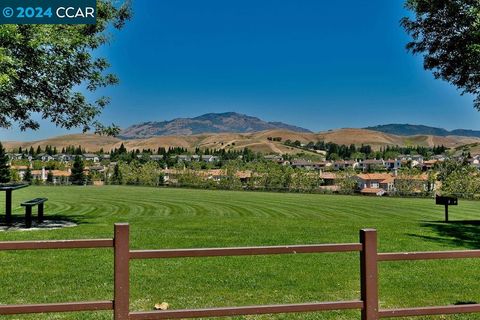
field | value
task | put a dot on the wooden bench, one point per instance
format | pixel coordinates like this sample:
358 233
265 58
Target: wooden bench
28 210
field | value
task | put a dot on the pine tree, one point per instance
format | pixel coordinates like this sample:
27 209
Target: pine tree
117 175
50 176
27 177
77 176
4 167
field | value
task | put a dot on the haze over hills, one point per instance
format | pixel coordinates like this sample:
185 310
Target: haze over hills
411 129
230 122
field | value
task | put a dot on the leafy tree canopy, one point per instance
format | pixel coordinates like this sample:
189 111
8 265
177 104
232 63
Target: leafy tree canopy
447 33
45 68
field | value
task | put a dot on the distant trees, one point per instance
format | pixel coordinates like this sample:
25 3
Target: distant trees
77 176
4 166
343 152
136 173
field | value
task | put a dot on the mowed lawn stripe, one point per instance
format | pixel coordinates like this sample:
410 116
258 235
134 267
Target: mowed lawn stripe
177 218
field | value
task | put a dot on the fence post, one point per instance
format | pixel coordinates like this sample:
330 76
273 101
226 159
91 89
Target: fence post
121 302
369 274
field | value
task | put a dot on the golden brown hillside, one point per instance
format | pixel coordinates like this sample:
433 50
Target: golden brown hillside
258 141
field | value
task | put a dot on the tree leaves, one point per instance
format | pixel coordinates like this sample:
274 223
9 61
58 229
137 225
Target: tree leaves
447 33
43 69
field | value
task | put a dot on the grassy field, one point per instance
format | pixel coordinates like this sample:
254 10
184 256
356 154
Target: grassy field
173 218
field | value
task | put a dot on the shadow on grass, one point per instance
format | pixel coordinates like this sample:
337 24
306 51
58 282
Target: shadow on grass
20 218
462 233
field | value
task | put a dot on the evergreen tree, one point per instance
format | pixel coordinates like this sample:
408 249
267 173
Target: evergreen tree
117 175
50 176
77 176
27 177
4 167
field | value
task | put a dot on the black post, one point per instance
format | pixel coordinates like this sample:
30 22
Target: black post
40 213
446 212
8 206
28 216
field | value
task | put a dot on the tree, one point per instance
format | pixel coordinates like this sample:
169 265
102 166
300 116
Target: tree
347 181
4 166
77 176
42 68
27 177
447 33
464 182
117 175
50 176
409 181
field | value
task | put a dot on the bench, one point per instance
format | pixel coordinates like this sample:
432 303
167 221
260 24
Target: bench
28 210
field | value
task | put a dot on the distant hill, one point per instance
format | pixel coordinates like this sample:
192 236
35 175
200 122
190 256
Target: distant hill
230 122
412 129
255 141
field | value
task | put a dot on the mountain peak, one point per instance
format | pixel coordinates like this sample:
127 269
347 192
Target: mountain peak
207 123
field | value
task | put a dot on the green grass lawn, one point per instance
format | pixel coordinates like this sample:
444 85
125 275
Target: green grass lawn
175 218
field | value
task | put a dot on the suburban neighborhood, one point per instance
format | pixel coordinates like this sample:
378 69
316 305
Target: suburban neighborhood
406 174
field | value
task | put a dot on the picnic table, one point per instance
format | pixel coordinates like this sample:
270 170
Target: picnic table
9 188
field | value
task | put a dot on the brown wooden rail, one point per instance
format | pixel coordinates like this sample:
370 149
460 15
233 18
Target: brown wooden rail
248 310
368 303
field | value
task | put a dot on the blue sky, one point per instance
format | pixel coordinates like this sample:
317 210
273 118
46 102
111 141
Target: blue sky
316 64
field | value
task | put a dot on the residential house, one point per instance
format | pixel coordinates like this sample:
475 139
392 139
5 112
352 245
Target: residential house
59 176
393 165
63 157
375 183
91 157
303 164
44 157
209 158
323 165
427 165
417 158
371 164
440 157
15 156
474 162
274 157
156 157
345 164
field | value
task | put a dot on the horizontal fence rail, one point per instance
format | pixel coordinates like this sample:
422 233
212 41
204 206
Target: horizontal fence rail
428 255
244 251
368 303
249 310
56 244
429 311
56 307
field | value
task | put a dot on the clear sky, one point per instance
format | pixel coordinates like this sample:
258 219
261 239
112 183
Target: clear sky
316 64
